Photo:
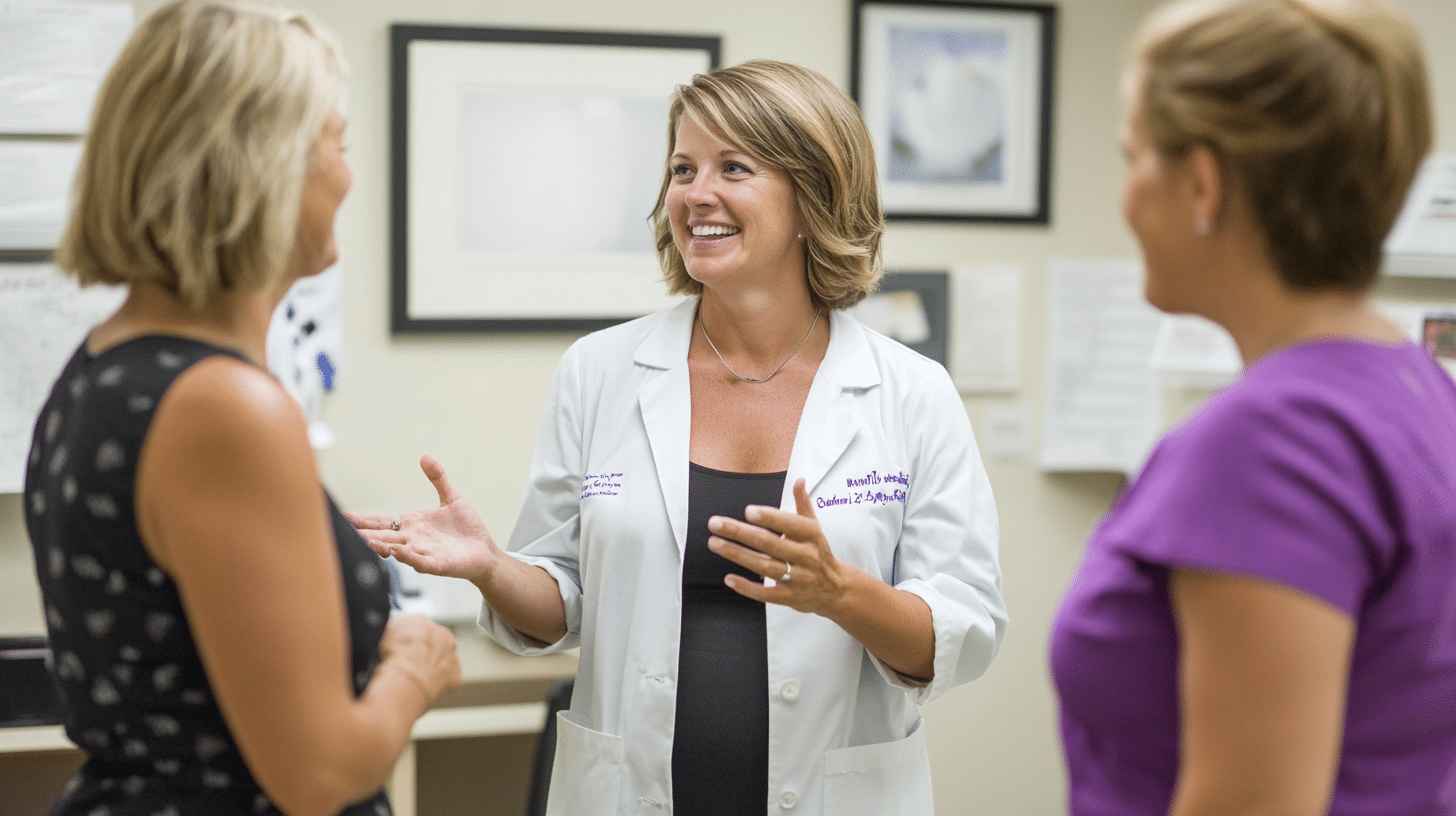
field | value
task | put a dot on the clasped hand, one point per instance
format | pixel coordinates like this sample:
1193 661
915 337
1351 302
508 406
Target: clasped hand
773 542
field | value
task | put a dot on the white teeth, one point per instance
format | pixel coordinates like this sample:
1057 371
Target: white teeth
714 230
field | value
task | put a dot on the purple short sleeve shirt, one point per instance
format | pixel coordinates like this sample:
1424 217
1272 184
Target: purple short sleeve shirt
1330 468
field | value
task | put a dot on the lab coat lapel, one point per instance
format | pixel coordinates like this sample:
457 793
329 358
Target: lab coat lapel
830 422
666 404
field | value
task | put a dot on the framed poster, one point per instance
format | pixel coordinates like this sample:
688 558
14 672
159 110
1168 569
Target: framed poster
958 100
523 167
913 308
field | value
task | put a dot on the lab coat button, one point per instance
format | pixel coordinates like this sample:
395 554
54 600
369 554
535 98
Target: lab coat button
788 799
789 690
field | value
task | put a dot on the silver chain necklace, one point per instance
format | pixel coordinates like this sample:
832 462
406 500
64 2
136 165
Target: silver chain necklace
771 373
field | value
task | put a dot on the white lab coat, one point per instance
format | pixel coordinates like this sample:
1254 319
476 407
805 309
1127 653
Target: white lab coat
900 491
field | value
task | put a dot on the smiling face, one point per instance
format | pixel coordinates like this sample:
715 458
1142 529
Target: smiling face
733 217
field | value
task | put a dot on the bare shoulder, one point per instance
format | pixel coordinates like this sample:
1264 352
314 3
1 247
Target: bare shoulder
227 396
227 444
231 418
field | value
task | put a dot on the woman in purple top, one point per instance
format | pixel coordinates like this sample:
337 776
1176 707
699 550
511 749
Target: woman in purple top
1266 620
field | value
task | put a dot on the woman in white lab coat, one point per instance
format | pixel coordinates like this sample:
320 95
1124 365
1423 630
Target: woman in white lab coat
767 527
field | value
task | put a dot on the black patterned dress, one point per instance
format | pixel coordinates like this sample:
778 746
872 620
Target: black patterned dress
136 696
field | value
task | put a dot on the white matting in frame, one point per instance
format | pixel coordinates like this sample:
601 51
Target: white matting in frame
957 97
532 167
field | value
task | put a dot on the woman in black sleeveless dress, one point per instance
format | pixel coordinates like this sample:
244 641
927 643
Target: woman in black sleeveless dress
221 636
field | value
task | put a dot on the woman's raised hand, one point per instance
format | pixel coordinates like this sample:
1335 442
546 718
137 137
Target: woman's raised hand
450 540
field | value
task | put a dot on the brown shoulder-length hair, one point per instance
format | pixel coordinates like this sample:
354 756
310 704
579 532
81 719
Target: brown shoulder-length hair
193 169
798 122
1320 109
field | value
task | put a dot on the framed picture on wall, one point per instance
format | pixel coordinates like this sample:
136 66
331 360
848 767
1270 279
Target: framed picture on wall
523 167
958 100
914 308
1438 336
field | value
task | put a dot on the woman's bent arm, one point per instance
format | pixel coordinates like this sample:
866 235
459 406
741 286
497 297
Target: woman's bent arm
229 503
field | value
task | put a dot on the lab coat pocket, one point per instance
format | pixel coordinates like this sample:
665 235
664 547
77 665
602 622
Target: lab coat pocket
884 779
587 772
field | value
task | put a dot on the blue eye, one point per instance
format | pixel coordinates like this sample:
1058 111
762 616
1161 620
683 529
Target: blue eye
735 167
681 171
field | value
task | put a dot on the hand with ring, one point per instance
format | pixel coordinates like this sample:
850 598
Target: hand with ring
787 548
450 540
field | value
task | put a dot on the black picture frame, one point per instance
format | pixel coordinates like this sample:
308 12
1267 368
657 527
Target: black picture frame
26 255
455 266
958 100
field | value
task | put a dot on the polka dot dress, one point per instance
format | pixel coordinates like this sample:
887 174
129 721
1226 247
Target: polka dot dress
123 658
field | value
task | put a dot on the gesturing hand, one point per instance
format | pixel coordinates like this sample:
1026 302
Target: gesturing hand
775 543
450 540
894 625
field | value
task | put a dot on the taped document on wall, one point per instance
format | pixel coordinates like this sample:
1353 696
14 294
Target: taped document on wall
43 317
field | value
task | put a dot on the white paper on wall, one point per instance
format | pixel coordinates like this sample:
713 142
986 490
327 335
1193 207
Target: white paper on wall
1101 406
1194 352
1423 241
35 188
43 318
985 328
53 56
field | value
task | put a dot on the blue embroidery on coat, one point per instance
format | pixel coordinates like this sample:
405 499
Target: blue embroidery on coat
601 484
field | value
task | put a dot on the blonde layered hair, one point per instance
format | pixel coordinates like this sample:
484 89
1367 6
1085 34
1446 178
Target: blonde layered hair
1320 109
798 122
200 140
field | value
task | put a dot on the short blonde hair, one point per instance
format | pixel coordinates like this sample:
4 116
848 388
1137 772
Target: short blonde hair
798 122
1319 108
193 169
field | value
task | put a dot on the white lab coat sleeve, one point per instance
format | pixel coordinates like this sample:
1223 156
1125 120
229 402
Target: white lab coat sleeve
548 528
947 553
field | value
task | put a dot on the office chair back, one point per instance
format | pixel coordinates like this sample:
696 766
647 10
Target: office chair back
557 700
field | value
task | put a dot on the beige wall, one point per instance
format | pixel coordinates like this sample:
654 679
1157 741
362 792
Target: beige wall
474 401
